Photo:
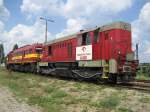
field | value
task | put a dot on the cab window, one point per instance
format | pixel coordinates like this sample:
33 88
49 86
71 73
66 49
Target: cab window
106 35
39 50
86 39
49 50
96 36
79 40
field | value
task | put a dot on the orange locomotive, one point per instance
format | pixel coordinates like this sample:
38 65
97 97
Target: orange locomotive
25 58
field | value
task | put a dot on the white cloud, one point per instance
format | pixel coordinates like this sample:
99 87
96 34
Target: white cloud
147 48
89 13
78 15
39 7
1 26
23 34
4 13
141 29
74 8
1 2
73 25
82 12
20 34
144 53
85 13
145 16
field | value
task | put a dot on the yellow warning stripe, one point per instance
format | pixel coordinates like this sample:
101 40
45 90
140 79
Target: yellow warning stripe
33 56
27 56
16 57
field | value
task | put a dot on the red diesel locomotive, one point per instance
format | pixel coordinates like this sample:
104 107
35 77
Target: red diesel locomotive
102 53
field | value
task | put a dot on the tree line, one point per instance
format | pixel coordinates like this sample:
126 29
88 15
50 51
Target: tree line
2 53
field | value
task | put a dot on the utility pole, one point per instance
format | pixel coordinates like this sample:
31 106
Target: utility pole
137 51
46 20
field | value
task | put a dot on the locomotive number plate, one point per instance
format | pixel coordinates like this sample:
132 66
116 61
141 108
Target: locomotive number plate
84 52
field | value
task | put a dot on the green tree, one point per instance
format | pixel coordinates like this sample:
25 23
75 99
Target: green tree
15 47
2 55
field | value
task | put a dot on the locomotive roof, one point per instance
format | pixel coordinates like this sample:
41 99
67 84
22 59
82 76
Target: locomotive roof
115 25
26 47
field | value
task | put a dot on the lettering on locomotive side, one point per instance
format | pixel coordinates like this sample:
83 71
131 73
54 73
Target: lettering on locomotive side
84 52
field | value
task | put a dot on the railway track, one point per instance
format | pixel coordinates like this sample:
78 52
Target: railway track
141 85
144 81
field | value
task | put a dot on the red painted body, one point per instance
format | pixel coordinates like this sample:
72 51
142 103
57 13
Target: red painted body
20 53
109 52
106 47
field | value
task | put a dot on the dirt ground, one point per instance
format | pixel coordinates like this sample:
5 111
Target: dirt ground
9 104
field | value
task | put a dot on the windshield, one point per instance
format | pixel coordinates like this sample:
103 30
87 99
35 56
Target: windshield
39 50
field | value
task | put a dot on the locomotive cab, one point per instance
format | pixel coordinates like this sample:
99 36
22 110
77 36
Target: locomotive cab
108 51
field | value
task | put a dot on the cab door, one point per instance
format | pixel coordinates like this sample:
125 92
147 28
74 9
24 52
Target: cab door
69 47
39 52
96 43
106 45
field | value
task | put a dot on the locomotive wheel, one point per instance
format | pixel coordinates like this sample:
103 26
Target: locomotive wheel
33 68
99 80
112 78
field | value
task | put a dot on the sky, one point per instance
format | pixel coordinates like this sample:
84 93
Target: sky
20 20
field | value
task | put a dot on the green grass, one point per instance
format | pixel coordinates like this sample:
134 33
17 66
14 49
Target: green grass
123 109
27 86
85 110
144 99
49 103
143 76
78 85
55 95
49 89
108 102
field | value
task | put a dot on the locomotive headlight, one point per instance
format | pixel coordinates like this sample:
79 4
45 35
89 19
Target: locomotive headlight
130 56
126 68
